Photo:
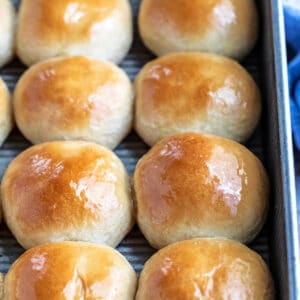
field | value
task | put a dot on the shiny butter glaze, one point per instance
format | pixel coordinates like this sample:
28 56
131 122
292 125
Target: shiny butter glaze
205 269
70 271
56 185
228 27
188 87
69 93
193 185
190 17
65 20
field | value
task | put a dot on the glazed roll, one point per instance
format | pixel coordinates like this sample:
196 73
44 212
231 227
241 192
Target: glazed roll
6 120
192 185
228 27
206 269
195 92
7 31
67 191
74 98
70 270
98 28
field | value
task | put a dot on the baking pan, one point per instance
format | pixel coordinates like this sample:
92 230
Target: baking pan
277 242
284 238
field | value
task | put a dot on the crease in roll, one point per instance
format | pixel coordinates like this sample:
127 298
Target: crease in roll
70 270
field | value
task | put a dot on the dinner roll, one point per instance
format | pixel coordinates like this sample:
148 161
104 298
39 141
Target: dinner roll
5 112
227 27
192 185
99 28
74 98
76 191
70 270
195 92
7 31
206 269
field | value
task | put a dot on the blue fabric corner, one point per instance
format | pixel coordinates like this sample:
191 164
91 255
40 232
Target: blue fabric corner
292 27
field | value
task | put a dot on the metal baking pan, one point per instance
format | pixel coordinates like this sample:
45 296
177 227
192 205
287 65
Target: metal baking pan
278 242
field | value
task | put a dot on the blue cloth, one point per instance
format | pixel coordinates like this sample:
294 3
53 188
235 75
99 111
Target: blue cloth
292 27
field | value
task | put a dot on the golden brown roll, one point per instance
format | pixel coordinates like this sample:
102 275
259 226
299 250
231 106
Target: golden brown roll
74 191
7 31
195 92
74 98
97 28
206 269
192 185
70 270
6 121
227 27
